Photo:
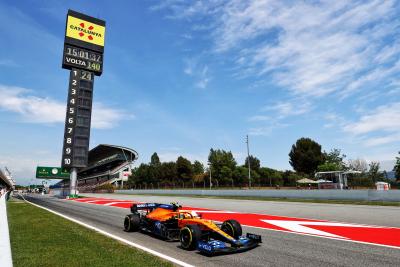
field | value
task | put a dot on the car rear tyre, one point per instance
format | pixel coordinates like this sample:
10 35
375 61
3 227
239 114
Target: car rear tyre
132 222
189 236
232 228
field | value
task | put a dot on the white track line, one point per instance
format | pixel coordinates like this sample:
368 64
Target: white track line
158 254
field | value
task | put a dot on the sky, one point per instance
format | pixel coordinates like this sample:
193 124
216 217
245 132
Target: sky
181 77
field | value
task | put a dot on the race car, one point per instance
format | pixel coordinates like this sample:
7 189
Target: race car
171 222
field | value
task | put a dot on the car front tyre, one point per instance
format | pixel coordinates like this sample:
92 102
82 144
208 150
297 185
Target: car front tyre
189 236
232 228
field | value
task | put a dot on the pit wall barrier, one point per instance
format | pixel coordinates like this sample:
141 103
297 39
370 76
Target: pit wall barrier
359 195
5 247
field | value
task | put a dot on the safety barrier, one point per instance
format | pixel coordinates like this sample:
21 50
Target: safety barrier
361 195
5 247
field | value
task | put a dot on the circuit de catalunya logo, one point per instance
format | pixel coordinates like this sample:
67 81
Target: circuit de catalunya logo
359 233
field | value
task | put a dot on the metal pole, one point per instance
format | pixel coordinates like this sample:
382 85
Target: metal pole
248 159
72 184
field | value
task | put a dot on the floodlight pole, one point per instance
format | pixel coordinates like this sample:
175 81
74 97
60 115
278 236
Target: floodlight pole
248 159
72 184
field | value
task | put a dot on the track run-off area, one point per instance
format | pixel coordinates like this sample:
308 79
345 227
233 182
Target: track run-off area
371 234
287 240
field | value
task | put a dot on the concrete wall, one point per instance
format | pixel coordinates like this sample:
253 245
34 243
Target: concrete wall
371 195
5 247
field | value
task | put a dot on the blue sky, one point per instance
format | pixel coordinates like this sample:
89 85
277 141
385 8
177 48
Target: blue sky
181 77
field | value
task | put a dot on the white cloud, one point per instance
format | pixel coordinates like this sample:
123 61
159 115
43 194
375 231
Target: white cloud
199 72
333 120
310 48
375 141
189 65
33 109
106 117
383 118
281 110
267 128
318 49
204 78
8 63
259 118
378 126
289 108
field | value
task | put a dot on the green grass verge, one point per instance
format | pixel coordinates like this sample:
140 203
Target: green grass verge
40 238
324 201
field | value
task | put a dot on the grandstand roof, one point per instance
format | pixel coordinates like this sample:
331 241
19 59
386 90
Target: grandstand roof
105 160
101 150
5 179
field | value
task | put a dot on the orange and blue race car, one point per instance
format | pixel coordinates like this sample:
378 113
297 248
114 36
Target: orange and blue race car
171 222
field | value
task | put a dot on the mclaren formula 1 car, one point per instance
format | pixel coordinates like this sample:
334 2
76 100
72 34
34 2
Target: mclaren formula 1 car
171 222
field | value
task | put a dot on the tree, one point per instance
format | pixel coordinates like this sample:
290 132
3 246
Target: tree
358 165
184 169
168 172
270 177
373 172
329 166
239 175
334 160
290 178
255 178
305 156
254 163
226 176
218 159
140 176
155 160
198 167
396 168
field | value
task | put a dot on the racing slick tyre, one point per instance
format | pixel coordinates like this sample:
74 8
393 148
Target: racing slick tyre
189 236
232 228
132 222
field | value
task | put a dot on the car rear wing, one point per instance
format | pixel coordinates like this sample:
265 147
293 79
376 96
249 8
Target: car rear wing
151 206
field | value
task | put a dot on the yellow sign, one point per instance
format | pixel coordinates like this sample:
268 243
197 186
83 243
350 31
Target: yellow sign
85 31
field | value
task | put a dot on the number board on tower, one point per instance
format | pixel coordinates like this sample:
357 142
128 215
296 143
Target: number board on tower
78 119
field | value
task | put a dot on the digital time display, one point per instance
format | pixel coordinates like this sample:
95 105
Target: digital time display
83 54
75 57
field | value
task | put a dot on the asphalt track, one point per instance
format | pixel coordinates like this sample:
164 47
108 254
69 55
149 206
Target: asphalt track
277 249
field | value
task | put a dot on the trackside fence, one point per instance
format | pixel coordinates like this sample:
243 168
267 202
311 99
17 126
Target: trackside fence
358 195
